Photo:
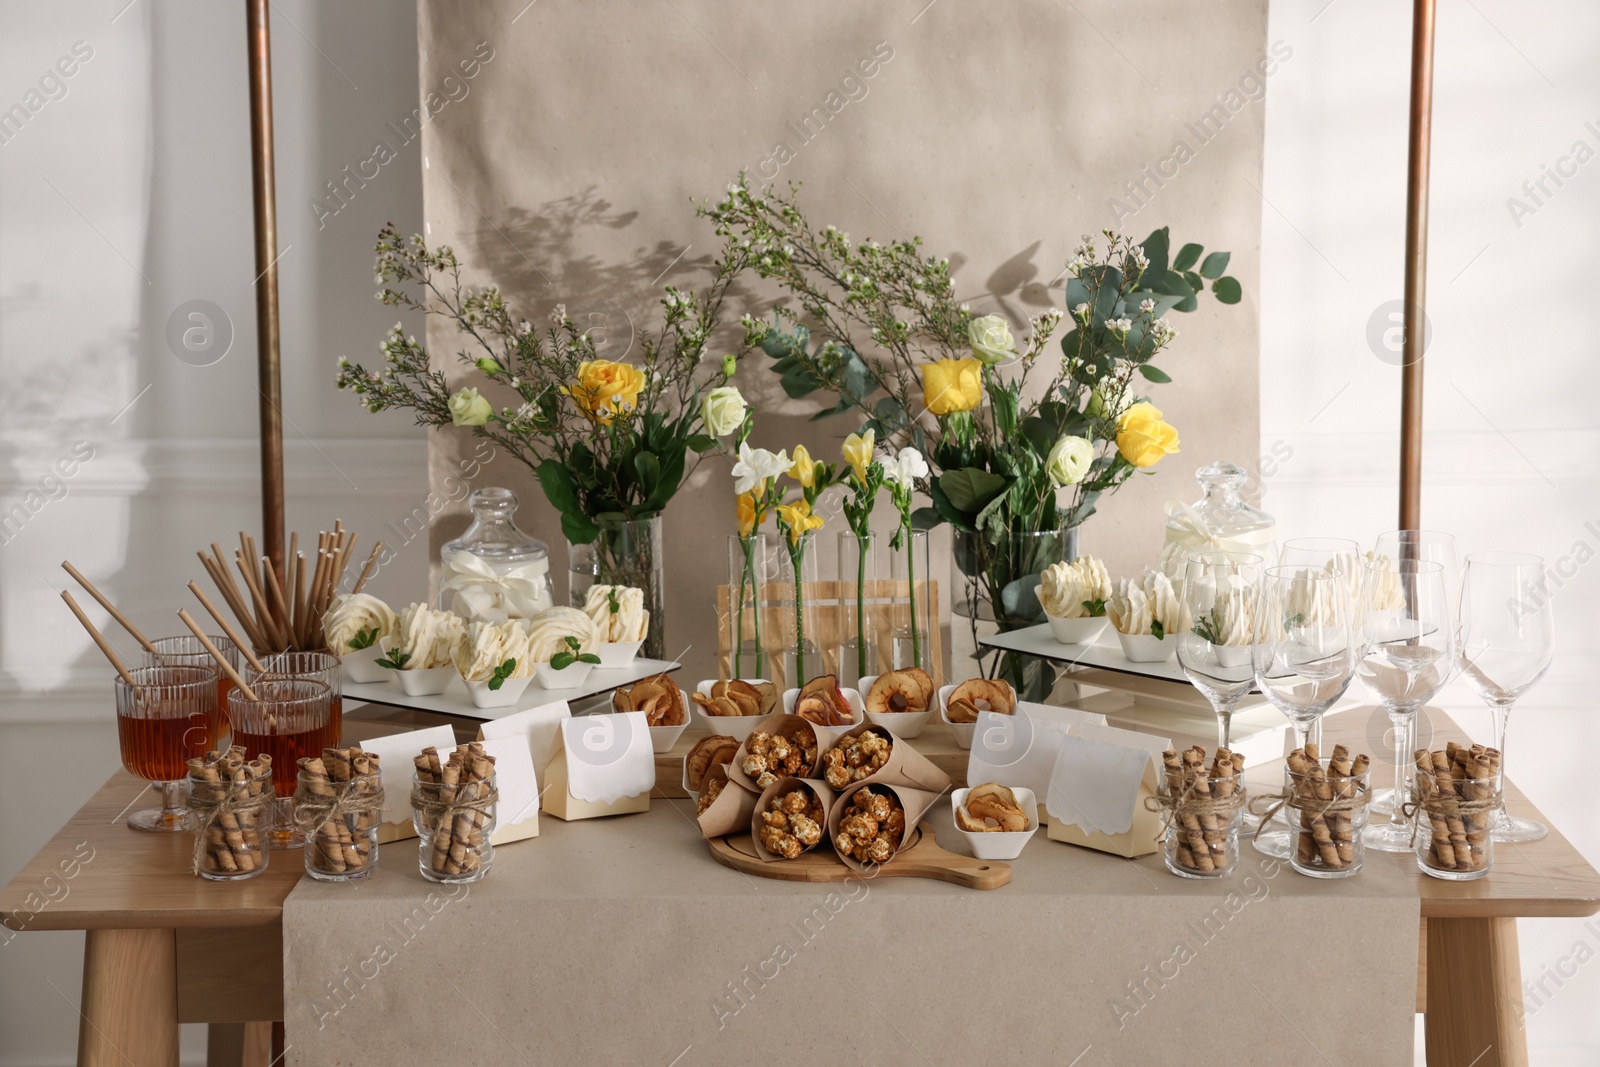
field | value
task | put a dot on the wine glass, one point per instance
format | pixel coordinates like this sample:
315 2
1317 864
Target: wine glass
1505 641
1408 657
1219 589
164 719
1304 655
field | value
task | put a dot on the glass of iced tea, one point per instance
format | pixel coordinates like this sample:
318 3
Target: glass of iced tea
318 666
165 718
292 718
187 651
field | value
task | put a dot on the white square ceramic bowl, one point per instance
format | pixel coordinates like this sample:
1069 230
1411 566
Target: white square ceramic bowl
738 727
662 738
999 844
1081 631
509 693
906 724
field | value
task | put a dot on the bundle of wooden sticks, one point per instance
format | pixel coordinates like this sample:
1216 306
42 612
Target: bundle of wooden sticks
281 616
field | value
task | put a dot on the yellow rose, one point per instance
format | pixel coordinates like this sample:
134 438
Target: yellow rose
804 469
857 452
605 389
1142 437
951 385
799 519
749 518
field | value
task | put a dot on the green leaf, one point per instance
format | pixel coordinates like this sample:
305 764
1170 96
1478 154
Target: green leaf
501 673
1155 250
559 489
1196 282
649 470
364 639
577 529
969 489
1077 293
890 415
1154 374
948 511
1188 256
701 442
926 518
1227 290
1214 265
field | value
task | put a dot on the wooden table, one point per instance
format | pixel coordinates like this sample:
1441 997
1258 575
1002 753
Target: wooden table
164 947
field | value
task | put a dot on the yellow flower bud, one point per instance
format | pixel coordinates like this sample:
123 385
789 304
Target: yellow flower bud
951 385
1142 437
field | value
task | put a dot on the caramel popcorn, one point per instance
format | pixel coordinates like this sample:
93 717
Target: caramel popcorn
872 827
855 758
713 790
769 757
792 824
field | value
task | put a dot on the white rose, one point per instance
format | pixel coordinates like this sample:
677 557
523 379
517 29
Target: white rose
1069 460
467 408
724 410
991 339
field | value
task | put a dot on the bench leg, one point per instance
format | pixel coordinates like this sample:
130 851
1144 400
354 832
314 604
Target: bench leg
129 1012
1474 994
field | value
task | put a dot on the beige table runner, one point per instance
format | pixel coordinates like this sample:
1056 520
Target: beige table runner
620 941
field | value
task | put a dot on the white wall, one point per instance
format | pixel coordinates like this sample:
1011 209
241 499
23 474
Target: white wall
150 144
148 152
1512 450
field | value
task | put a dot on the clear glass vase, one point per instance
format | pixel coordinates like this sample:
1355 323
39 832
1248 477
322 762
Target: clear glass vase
996 581
858 574
752 570
794 597
912 621
625 552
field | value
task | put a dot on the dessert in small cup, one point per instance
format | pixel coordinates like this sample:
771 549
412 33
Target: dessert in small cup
1146 613
901 700
997 821
355 627
1074 597
561 643
959 705
493 661
733 706
620 622
666 709
423 650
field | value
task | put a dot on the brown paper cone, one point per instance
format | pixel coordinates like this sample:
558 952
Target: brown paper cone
906 766
916 803
785 785
778 723
730 812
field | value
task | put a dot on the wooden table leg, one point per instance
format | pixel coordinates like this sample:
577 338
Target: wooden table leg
129 1012
1474 993
239 1045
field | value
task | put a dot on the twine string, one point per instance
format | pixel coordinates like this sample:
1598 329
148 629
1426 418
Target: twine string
206 808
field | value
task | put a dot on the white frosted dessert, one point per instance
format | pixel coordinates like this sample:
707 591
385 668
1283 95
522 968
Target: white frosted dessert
1065 589
617 612
427 637
486 645
547 633
352 614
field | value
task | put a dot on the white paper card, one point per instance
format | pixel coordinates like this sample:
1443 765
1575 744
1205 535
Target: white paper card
608 756
1095 782
1021 749
395 754
515 780
539 726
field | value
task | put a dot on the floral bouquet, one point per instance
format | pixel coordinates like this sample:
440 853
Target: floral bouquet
610 442
1021 448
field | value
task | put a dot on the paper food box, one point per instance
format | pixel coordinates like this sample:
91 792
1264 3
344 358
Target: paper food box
1020 750
604 765
395 753
522 745
1098 787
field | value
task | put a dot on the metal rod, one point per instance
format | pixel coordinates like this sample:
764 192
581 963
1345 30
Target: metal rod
266 226
1416 318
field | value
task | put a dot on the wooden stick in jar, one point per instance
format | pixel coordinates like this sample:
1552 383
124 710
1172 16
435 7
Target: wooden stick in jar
367 568
105 646
122 620
232 635
216 654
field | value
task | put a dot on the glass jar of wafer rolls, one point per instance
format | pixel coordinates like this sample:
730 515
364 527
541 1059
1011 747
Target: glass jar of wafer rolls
230 811
1327 809
338 808
1455 796
453 809
1202 803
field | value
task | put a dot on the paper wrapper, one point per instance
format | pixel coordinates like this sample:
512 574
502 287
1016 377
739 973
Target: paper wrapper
730 813
906 766
916 803
777 723
785 785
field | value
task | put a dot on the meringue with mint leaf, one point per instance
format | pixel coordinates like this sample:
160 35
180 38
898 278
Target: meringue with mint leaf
572 654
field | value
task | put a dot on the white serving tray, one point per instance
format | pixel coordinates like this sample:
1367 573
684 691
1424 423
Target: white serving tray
1104 653
455 701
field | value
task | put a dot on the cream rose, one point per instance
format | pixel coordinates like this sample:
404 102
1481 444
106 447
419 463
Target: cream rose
991 341
1069 460
467 408
354 614
724 410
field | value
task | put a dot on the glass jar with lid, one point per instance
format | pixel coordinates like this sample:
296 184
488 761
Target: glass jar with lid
1220 519
494 571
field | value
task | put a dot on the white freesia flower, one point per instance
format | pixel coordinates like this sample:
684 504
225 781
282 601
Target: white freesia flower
904 470
757 465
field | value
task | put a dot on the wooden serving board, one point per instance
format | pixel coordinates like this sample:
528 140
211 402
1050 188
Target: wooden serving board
923 858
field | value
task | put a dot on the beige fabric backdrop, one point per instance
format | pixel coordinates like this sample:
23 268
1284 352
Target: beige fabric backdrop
998 132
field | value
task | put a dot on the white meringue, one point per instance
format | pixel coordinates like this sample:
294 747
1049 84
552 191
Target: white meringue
1065 587
548 631
628 623
1134 607
486 645
354 613
428 637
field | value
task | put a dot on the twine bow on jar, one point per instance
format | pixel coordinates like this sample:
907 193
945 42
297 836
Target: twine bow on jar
239 811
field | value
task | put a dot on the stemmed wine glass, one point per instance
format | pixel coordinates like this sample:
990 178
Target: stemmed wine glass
1505 640
1408 657
1219 589
1304 654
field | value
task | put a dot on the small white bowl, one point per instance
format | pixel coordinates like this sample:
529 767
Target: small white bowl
430 681
1081 631
738 727
999 844
361 665
615 655
1232 655
826 735
662 738
963 730
509 693
906 724
571 676
1146 648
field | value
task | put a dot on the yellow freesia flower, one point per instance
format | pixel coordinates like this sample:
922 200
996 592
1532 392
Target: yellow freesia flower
804 469
1142 437
950 385
857 452
749 515
799 519
605 389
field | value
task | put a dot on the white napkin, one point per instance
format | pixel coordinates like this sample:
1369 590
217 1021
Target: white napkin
1094 784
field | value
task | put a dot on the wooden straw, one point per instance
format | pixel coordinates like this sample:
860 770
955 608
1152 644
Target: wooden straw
301 604
230 593
241 645
216 654
263 612
122 619
366 568
278 600
105 646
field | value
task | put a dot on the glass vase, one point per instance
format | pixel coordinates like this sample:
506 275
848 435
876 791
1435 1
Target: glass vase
857 594
996 581
910 577
794 596
752 570
625 552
